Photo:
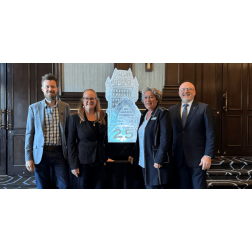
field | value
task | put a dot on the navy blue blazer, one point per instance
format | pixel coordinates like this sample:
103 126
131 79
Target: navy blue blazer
197 138
83 145
157 146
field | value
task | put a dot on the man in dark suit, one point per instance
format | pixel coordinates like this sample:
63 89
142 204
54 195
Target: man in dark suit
45 141
193 138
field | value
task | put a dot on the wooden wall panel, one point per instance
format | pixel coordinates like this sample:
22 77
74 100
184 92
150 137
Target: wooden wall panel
234 130
249 94
172 74
249 139
123 66
18 149
21 94
209 89
172 82
2 152
234 80
34 83
188 73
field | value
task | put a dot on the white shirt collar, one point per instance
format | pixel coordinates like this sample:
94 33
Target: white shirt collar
189 103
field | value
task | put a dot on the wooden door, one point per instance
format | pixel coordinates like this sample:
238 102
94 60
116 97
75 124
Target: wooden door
23 89
237 109
209 91
3 141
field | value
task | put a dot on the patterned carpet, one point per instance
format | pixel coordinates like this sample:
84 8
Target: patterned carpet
225 173
230 173
17 182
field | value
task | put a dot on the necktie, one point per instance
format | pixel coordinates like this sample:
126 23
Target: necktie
184 114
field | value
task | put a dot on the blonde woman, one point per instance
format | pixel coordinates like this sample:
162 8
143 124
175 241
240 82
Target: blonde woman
87 138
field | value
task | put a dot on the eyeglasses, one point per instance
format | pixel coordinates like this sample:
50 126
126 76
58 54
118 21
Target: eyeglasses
88 99
184 89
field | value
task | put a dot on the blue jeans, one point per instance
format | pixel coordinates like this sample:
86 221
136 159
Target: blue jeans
56 161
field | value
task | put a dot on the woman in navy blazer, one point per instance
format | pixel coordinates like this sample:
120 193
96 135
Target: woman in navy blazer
87 138
153 148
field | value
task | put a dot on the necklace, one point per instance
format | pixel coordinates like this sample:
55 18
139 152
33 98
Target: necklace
94 122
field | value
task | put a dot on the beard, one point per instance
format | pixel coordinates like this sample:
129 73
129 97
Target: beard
186 100
50 96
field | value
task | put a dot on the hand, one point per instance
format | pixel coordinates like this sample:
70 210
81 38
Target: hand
76 172
205 162
130 159
157 166
30 165
109 160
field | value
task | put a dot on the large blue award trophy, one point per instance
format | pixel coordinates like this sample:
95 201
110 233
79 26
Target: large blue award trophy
123 114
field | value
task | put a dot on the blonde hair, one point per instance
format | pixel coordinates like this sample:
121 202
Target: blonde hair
100 113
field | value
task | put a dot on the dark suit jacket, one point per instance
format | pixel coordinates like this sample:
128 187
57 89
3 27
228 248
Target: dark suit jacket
197 138
157 146
83 145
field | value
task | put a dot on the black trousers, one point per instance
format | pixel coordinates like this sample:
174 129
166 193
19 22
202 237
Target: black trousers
91 177
191 177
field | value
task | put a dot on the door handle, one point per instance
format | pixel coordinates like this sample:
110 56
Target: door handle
8 125
2 125
226 101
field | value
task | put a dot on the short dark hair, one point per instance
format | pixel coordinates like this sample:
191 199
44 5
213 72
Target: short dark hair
48 76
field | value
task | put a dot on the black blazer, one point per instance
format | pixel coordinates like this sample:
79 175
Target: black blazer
157 146
83 145
197 138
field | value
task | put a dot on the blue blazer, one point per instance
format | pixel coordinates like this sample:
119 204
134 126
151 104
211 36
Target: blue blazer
197 138
34 136
157 147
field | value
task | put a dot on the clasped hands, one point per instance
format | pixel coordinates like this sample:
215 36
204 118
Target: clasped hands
131 159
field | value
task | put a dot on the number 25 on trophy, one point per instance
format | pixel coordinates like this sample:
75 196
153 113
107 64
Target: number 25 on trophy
123 134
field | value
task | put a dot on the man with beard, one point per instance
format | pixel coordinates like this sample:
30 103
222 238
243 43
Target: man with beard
45 142
193 138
